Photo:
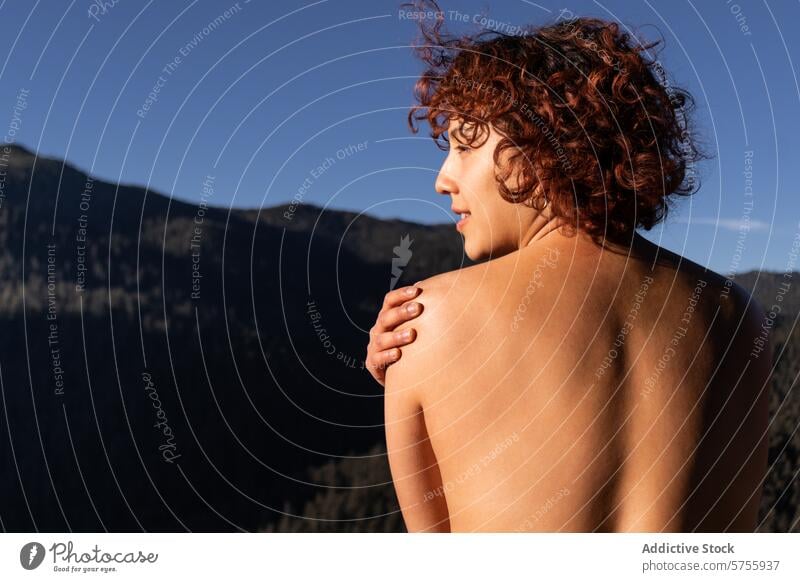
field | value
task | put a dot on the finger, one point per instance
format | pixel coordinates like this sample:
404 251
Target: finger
378 363
388 357
399 296
391 318
393 339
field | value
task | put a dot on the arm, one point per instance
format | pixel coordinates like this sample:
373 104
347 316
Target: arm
412 461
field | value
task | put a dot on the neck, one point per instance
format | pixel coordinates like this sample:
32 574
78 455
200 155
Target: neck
540 227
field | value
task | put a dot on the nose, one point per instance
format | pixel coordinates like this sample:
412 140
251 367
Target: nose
445 181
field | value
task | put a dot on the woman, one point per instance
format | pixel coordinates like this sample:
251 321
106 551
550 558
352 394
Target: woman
580 378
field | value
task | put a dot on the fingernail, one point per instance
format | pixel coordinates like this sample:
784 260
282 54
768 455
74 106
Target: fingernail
411 290
405 335
412 307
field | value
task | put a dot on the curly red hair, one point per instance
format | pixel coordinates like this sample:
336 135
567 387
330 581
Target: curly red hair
587 123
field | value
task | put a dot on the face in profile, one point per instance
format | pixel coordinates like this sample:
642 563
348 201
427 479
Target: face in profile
493 227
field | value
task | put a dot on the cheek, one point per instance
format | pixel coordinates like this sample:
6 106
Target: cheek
486 202
499 221
488 223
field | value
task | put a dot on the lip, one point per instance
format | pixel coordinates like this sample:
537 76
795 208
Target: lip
460 224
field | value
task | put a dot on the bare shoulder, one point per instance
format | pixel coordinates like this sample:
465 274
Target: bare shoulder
445 298
449 304
740 314
710 295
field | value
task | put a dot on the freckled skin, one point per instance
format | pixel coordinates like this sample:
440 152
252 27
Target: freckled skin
539 413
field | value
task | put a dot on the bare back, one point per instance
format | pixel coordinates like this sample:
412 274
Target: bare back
576 389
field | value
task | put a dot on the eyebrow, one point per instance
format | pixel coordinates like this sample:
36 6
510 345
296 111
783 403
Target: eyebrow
457 134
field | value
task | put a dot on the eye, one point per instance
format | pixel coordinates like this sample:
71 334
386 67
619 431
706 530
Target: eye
462 148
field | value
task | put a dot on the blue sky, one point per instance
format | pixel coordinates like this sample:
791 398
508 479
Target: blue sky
274 98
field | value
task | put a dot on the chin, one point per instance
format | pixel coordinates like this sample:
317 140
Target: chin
476 252
473 256
481 252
